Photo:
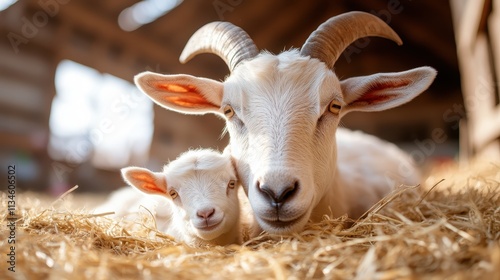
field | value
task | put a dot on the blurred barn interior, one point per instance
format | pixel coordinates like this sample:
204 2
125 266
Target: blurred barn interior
70 115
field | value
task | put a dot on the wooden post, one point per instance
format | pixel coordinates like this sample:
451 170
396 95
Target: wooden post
477 28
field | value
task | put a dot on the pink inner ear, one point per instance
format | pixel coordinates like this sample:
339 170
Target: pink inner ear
374 97
152 188
148 183
376 94
188 99
188 96
176 88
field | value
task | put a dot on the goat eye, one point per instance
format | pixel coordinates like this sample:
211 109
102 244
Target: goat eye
228 111
335 107
231 184
173 194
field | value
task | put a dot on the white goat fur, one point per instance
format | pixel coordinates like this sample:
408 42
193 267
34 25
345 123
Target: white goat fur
282 132
201 180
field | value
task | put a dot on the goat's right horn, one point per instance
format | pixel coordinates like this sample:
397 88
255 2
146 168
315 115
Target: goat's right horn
229 42
333 36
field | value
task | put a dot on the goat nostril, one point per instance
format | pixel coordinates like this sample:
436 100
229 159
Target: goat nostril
278 199
265 189
288 192
205 213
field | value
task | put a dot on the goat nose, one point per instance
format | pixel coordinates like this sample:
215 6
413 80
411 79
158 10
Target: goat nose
205 213
278 198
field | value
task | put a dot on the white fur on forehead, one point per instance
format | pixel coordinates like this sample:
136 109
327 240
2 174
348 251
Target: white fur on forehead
290 60
198 160
284 78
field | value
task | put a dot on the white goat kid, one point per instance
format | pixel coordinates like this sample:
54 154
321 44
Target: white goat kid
196 197
282 113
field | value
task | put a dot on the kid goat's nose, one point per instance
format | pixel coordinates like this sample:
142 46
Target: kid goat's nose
205 213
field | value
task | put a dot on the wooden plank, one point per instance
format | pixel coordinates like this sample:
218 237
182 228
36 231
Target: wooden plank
21 95
465 147
295 12
115 6
24 142
469 23
418 32
457 8
140 53
494 28
480 103
480 99
30 65
105 29
488 130
478 84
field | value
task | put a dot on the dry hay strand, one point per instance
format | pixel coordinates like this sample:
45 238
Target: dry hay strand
440 230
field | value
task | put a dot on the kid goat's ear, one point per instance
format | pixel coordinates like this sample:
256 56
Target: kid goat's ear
182 93
385 90
145 180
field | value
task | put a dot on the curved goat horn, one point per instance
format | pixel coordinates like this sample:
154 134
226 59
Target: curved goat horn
332 37
224 39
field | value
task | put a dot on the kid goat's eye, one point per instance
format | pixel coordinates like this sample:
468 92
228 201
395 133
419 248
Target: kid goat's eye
173 194
335 107
231 184
228 111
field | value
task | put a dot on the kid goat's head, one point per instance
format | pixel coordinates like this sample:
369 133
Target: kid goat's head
282 110
202 187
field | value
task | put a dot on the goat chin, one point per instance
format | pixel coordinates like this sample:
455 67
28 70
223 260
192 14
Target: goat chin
280 227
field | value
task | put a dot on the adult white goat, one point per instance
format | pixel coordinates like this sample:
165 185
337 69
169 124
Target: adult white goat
282 113
196 198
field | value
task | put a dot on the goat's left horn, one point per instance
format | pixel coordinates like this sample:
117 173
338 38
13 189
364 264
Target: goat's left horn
229 42
333 36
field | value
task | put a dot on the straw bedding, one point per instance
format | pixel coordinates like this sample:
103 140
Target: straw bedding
448 229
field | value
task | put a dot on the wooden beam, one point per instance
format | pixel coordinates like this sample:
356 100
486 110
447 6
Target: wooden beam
23 142
478 82
107 30
487 130
469 21
115 6
411 26
494 33
254 19
274 35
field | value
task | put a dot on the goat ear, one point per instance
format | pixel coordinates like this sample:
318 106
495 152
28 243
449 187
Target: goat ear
182 93
385 90
145 180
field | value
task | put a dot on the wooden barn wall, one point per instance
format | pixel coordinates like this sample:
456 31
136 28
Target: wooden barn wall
26 91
